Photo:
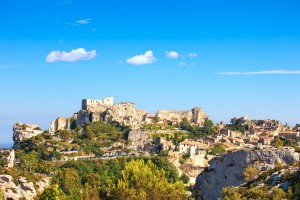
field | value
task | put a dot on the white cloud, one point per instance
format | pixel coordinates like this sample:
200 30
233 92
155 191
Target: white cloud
261 72
72 56
192 55
172 54
83 21
182 64
143 59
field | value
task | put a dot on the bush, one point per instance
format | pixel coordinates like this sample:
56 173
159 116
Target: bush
185 178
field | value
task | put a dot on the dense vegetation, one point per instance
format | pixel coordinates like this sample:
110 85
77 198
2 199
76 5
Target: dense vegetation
123 178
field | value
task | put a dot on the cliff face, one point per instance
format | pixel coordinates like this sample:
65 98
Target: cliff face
228 169
195 116
59 124
139 138
8 155
24 131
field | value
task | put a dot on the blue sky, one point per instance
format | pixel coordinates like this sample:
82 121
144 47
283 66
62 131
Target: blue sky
231 58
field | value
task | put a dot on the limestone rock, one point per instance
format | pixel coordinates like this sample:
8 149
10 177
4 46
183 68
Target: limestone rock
8 155
24 189
61 123
227 170
24 131
139 138
195 116
126 113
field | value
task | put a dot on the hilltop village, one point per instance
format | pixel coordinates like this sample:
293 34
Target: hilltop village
104 130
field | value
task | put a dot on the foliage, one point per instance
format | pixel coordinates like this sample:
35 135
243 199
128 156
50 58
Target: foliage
142 180
70 182
164 153
238 127
218 149
29 162
64 134
73 123
103 131
185 178
278 142
250 173
198 132
53 193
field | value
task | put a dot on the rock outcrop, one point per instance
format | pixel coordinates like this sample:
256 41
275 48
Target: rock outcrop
227 170
24 189
126 113
139 139
24 131
8 155
60 123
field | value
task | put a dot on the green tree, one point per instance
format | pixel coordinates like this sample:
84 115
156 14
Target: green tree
185 178
64 134
90 193
30 161
53 193
70 182
218 149
142 181
185 124
164 153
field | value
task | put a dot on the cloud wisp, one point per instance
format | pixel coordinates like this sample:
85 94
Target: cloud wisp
143 59
80 22
72 56
192 55
172 54
262 72
83 21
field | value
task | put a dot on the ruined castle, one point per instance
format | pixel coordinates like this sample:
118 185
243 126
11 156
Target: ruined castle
93 110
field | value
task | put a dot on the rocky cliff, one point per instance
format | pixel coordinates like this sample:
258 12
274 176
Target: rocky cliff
59 124
24 131
126 113
139 138
228 169
8 155
23 189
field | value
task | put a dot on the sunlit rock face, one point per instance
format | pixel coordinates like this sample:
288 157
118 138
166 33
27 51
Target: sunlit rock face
227 170
24 131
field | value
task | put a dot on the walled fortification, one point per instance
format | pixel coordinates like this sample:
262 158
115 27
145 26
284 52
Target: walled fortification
126 113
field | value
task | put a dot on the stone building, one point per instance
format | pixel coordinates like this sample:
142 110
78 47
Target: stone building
192 147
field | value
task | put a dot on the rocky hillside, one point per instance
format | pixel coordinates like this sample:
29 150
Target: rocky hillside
228 169
24 131
23 188
125 113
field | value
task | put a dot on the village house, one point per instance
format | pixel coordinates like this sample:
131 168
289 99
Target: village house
265 140
237 141
192 147
289 135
